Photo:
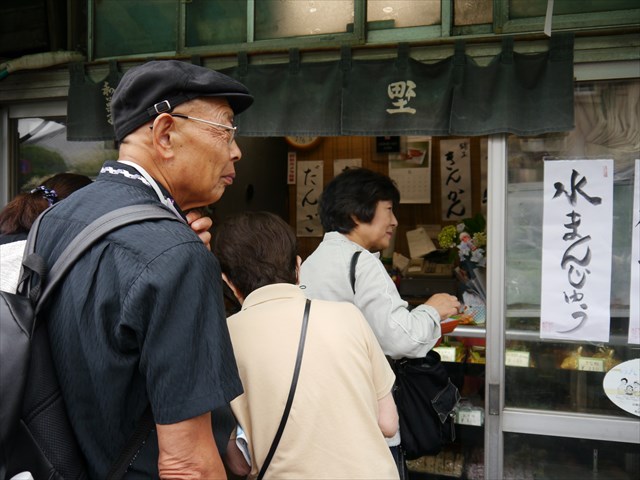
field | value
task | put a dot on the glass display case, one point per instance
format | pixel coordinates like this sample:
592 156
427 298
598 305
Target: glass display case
534 407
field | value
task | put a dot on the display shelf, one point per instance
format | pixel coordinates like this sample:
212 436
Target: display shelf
534 312
468 331
534 336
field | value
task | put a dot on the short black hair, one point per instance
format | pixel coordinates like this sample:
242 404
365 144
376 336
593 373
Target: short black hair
256 249
355 193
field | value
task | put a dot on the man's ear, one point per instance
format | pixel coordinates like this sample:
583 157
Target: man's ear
162 131
233 288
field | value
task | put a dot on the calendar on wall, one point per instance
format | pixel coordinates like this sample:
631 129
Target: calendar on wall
411 169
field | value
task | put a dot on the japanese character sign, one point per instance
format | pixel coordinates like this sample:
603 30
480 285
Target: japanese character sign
576 250
455 176
309 187
401 94
107 92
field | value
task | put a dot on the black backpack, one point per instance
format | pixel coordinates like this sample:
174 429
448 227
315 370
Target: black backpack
35 433
425 397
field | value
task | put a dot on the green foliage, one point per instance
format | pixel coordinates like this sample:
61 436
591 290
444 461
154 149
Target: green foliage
475 224
37 161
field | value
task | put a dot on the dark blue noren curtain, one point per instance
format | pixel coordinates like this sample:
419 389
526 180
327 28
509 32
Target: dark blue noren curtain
516 93
290 99
89 109
524 94
396 97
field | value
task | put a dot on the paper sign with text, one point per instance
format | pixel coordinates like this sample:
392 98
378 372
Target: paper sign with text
576 250
309 187
455 179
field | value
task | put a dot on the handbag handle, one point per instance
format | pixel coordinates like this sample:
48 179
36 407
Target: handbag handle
292 391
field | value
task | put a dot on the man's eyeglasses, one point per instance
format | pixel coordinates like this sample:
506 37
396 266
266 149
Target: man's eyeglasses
231 129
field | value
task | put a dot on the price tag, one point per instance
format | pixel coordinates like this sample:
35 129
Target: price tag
517 358
447 354
469 416
589 364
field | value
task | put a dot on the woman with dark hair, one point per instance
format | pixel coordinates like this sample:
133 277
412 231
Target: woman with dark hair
343 407
17 217
356 211
19 214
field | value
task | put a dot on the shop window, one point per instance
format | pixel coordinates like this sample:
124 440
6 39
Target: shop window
290 18
215 23
476 12
541 456
536 8
43 150
404 13
128 28
567 374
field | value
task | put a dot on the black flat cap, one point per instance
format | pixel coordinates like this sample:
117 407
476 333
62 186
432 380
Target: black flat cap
160 85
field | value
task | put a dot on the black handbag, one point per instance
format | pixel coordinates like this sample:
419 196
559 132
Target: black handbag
426 399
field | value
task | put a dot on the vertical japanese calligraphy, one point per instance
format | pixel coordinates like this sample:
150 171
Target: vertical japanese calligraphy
576 250
455 176
309 187
634 291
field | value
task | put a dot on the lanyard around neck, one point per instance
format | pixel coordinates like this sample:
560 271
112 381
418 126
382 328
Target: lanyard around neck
165 201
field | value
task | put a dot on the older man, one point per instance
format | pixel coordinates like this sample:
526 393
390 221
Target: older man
139 320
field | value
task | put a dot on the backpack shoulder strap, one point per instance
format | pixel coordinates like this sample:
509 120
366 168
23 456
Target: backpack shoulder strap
80 244
95 230
352 269
32 263
145 424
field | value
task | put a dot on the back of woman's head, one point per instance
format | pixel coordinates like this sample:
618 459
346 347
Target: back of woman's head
354 193
255 249
20 213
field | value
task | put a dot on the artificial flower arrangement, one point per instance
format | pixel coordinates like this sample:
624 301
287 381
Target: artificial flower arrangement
470 239
467 243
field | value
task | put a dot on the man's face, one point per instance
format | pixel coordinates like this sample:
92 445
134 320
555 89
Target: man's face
204 159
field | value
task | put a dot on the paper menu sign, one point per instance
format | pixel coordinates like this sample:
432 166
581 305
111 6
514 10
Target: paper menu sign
576 250
419 242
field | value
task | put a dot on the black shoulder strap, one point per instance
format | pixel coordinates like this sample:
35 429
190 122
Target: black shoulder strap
145 424
292 391
352 269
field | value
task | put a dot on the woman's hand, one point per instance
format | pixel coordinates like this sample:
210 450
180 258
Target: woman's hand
446 305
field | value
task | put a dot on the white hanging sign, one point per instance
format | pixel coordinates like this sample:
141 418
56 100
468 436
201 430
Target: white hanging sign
576 250
309 187
455 179
634 291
